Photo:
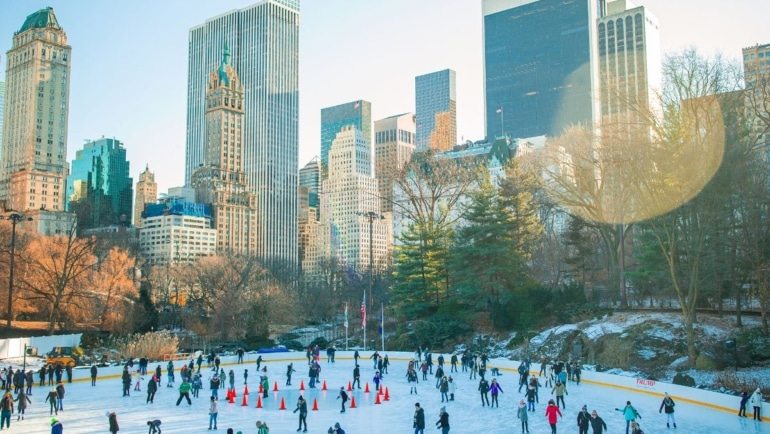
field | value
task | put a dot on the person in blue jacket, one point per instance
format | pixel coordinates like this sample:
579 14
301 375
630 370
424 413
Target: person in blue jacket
630 414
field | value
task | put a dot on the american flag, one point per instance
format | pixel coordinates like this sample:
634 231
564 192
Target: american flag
363 315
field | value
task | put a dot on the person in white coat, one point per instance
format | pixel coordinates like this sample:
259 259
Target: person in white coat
452 388
756 402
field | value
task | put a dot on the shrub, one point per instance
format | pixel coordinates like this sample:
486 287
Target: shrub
153 345
731 380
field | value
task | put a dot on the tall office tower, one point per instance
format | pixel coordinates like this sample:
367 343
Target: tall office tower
394 144
146 193
33 164
629 60
99 188
309 187
435 98
221 181
2 108
756 74
334 119
538 74
349 190
264 46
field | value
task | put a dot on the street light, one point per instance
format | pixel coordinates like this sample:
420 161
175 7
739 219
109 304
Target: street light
14 217
371 216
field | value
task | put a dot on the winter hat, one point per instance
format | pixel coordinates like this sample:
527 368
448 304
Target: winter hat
665 394
53 420
521 403
337 425
443 409
585 407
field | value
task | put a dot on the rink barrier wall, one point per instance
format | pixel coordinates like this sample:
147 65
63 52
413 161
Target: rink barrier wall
682 394
10 348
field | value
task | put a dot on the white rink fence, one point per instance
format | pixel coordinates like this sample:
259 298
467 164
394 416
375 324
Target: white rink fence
12 348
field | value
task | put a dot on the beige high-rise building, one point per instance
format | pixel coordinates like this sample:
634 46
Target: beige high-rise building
33 166
146 192
394 144
221 181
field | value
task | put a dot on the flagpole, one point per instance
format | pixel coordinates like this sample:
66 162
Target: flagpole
382 325
502 129
363 318
346 326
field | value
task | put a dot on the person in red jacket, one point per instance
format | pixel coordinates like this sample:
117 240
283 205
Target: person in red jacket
552 411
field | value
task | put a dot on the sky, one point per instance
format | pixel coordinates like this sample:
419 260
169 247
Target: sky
129 61
86 408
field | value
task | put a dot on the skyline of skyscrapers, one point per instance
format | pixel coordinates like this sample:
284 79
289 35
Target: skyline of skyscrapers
33 165
264 45
335 118
538 74
435 96
99 188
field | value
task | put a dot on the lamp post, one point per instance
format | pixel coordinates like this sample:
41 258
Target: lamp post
14 217
371 216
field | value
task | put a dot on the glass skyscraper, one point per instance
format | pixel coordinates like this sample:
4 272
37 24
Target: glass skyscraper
539 76
264 44
333 119
436 110
99 188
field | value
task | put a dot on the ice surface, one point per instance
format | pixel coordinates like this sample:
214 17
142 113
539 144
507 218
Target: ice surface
85 406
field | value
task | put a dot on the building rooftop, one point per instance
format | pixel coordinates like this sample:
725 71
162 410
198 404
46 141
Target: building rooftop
42 19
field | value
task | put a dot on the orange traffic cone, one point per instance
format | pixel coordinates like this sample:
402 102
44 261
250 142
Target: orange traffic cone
231 399
324 386
259 401
315 404
377 401
234 393
302 385
260 388
275 387
387 395
380 391
353 402
283 404
245 402
246 390
350 386
366 389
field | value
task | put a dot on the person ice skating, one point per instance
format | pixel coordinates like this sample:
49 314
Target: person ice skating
94 370
6 409
668 405
158 374
197 384
265 386
560 389
597 424
636 429
629 414
214 386
356 356
756 402
418 421
213 412
443 388
494 390
411 378
344 397
523 415
484 391
56 426
262 427
583 420
60 393
231 376
302 409
152 387
112 419
744 400
154 426
222 378
23 400
357 376
184 392
552 413
452 388
137 381
126 380
51 398
443 421
245 376
439 376
377 380
170 370
453 363
289 371
337 429
240 353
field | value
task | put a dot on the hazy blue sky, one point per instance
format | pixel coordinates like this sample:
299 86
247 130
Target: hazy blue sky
129 60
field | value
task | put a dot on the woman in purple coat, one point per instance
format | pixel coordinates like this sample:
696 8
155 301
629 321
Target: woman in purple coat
494 389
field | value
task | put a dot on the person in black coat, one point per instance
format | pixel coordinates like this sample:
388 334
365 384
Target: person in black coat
418 421
583 420
152 387
443 421
94 370
126 378
744 401
597 424
158 373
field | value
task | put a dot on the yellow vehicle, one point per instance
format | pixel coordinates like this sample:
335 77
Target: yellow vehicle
63 355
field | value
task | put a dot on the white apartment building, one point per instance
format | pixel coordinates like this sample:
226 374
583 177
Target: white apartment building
173 238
